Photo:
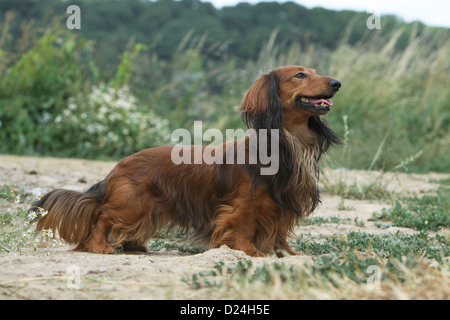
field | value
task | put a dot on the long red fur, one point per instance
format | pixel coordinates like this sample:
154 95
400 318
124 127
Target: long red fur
217 204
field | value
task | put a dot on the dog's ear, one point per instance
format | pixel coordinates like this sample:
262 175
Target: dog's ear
261 107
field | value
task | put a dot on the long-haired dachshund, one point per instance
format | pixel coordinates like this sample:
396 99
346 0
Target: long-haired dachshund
232 204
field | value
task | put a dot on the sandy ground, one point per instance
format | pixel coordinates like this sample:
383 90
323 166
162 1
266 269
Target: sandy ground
58 273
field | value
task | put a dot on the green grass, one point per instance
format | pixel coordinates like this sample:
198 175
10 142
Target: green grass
428 213
327 273
357 191
321 220
384 95
244 271
387 245
338 263
444 182
179 244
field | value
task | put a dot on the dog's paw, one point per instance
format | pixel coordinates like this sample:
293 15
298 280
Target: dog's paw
101 248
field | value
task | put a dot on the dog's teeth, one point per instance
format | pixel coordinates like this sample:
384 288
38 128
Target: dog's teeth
303 99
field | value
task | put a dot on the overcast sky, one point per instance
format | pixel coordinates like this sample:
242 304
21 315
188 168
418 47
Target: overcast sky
430 12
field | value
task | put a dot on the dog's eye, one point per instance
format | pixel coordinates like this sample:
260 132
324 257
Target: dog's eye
301 75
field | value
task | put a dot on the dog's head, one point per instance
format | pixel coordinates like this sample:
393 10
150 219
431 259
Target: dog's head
292 93
292 99
303 89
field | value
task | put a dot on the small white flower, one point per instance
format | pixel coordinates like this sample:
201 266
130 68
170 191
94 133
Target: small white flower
43 212
32 215
72 106
17 200
27 235
49 233
13 246
46 117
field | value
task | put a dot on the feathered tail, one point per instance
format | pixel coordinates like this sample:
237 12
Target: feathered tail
71 214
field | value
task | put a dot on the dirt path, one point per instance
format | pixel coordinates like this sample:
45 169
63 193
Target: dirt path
52 273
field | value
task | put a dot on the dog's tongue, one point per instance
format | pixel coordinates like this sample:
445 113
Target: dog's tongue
319 101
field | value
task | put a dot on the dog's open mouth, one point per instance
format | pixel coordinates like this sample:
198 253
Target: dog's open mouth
319 104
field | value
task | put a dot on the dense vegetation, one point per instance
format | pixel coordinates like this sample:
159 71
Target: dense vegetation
138 69
228 33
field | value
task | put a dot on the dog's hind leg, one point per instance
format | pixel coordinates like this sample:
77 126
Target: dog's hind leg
97 241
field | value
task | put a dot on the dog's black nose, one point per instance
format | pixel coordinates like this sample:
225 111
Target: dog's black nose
334 84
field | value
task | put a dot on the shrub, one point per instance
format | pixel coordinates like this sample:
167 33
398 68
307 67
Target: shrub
109 122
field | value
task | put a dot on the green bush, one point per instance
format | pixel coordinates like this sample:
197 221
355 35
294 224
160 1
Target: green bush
51 104
34 91
108 123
